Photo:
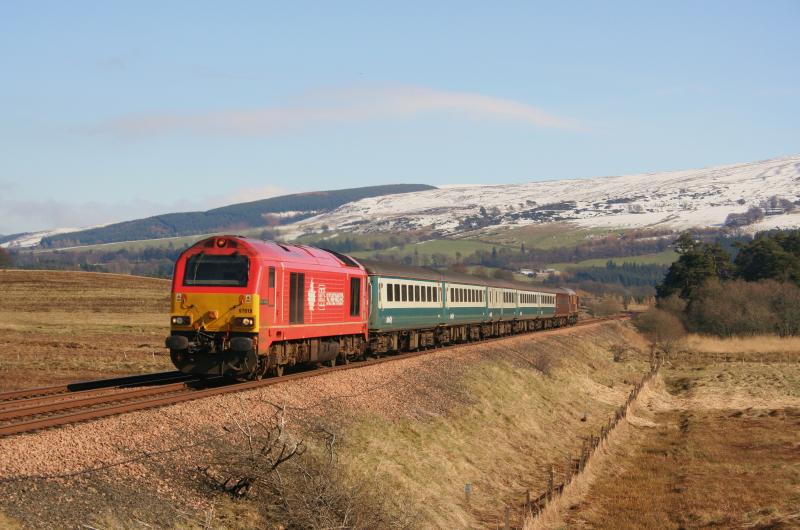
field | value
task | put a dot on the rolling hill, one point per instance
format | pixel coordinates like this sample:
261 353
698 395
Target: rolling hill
670 200
266 212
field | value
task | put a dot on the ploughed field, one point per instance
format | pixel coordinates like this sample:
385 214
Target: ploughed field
62 326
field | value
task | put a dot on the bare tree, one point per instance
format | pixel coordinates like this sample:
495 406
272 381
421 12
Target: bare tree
252 455
297 485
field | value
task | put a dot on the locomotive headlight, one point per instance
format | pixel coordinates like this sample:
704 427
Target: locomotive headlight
181 321
245 322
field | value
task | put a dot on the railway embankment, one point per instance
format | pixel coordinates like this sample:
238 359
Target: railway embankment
391 444
712 441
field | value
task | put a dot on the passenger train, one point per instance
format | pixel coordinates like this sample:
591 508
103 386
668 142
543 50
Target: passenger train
247 308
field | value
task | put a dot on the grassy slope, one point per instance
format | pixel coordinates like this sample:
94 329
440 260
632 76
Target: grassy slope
513 422
544 236
714 445
448 247
661 258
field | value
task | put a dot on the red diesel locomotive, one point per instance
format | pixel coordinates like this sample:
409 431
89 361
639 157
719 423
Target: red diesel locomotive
245 307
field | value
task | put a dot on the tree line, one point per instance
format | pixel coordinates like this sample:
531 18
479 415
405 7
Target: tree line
757 291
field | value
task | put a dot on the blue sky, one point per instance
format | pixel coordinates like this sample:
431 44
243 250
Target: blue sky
115 110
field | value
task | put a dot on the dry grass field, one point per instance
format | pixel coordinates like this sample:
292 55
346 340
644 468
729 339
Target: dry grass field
58 327
716 443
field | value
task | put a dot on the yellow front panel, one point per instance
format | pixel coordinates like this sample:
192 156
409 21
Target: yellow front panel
215 311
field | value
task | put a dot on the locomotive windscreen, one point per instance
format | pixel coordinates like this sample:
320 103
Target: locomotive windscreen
229 270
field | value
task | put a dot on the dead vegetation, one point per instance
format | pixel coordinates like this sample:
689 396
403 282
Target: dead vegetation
62 326
714 445
290 485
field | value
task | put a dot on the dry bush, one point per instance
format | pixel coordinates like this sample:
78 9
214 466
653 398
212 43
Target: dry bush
618 351
673 304
251 456
664 330
746 308
602 307
292 485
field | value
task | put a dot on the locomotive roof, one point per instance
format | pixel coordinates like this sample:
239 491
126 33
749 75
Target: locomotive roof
424 273
281 251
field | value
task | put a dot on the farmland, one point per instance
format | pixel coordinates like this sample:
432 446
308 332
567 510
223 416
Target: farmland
57 327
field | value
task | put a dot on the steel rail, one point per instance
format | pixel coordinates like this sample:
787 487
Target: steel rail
7 398
33 410
68 397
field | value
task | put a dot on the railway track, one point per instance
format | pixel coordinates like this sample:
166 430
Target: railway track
8 398
40 408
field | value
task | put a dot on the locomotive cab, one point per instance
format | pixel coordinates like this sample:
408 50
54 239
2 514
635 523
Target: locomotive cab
215 310
244 307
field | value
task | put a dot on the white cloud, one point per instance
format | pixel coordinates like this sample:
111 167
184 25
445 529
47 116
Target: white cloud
341 106
29 215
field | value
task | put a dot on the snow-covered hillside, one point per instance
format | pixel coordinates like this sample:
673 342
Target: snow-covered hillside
676 199
31 239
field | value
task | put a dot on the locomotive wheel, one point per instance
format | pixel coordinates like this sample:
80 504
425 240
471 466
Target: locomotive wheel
279 371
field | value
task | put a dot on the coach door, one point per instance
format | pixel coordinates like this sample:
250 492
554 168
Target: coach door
297 290
356 290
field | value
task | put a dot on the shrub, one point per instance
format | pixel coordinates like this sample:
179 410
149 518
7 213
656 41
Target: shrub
663 329
295 485
601 307
746 308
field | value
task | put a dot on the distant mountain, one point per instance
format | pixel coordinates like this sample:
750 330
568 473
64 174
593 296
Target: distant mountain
675 200
266 212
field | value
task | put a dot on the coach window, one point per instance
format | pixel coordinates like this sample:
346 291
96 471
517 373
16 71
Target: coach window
416 293
404 290
389 293
355 297
397 292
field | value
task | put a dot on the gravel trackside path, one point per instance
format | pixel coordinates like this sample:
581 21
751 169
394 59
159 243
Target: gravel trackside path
156 450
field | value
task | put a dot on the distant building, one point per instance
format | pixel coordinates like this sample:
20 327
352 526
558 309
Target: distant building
539 273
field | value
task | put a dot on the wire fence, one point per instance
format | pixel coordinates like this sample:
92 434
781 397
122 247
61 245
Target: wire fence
557 480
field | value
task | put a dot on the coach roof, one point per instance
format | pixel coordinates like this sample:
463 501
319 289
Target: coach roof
379 268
